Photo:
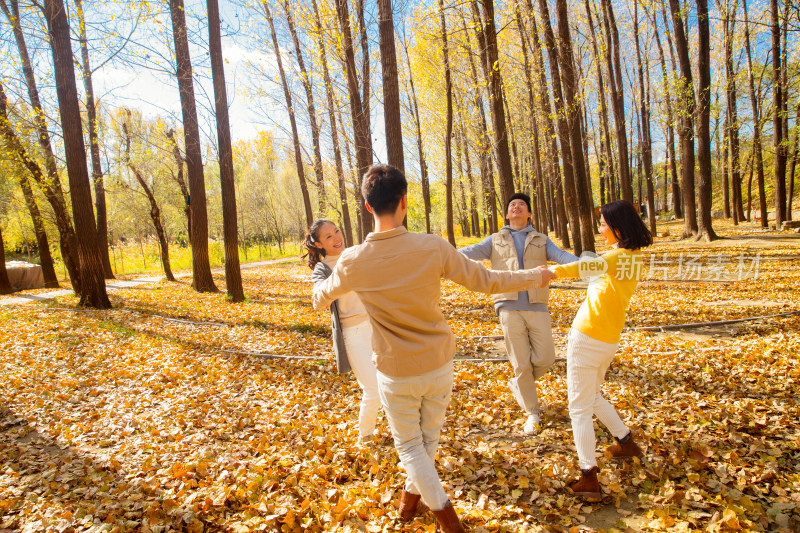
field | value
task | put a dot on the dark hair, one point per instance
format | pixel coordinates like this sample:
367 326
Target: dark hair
626 224
383 187
313 253
520 196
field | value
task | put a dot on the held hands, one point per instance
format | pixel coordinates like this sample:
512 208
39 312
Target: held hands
546 274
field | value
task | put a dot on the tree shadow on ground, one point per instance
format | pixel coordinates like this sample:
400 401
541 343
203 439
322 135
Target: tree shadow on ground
177 317
71 487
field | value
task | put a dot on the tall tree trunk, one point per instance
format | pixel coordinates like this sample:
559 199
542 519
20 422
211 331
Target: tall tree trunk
51 185
573 112
504 168
354 178
366 91
732 131
487 177
686 128
787 9
601 95
312 112
517 178
636 152
15 146
233 274
463 210
93 286
556 195
705 183
793 164
365 68
762 195
777 117
617 97
750 183
358 109
94 148
647 145
600 169
537 180
476 228
722 154
584 121
570 194
45 259
670 175
423 164
202 280
5 284
337 155
155 212
391 86
298 151
448 161
178 177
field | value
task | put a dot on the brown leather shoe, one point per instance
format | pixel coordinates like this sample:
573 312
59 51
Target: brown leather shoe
410 506
624 448
447 520
587 486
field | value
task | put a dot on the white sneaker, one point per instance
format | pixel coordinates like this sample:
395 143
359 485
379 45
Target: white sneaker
532 424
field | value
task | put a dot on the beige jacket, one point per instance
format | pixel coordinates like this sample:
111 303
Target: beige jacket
398 276
504 257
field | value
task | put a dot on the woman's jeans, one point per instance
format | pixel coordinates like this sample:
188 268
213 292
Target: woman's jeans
358 343
587 362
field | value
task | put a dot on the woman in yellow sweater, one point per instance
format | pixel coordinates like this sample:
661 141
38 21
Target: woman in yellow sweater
594 337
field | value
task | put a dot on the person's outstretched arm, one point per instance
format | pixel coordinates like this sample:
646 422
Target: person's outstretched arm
557 255
330 289
475 277
587 266
481 251
320 273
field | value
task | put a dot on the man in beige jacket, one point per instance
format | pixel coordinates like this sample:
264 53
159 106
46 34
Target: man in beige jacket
397 275
524 316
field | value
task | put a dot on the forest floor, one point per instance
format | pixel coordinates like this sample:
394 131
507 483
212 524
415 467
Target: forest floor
178 411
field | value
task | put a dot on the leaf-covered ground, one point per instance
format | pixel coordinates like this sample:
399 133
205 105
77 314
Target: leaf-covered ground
170 413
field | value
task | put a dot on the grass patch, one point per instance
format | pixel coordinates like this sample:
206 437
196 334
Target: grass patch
116 327
310 328
259 324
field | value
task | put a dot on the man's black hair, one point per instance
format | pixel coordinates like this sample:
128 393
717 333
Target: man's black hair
383 187
520 196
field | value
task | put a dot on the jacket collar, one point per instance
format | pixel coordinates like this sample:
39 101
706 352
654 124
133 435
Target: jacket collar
531 233
526 229
378 236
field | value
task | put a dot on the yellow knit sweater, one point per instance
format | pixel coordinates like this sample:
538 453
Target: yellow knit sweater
612 279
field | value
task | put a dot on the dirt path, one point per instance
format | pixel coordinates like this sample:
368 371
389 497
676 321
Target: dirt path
117 284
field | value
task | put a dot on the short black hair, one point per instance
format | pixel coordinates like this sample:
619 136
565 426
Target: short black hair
626 224
520 196
383 187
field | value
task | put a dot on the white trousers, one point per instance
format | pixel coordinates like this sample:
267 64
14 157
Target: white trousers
358 343
529 343
587 362
415 407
